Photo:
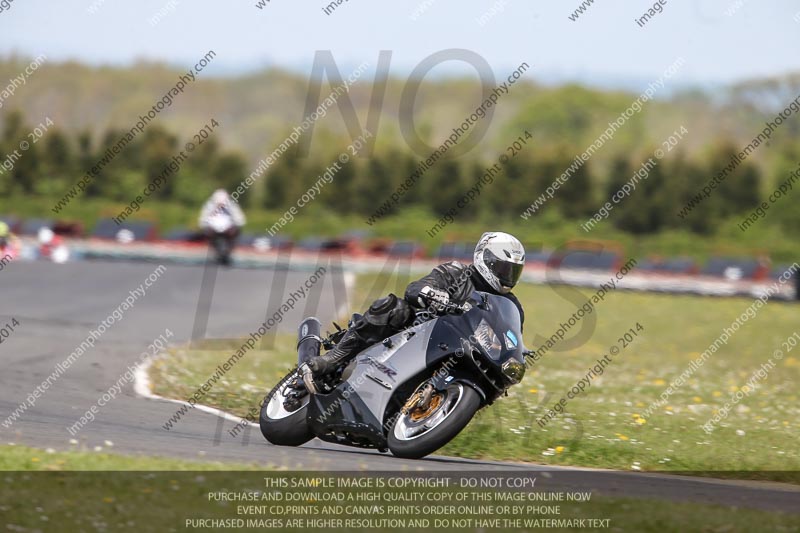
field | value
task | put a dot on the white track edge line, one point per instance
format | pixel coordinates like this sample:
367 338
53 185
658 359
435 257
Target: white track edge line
142 387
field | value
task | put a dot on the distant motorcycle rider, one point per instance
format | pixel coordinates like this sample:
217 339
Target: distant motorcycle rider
498 261
220 208
221 202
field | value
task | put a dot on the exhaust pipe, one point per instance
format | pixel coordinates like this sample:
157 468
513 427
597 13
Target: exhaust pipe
309 340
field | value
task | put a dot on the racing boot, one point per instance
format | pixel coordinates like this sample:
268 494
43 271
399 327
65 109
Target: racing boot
385 316
347 348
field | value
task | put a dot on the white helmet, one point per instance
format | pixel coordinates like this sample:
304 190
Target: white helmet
45 235
220 197
499 258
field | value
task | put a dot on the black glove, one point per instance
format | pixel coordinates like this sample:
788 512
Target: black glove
435 298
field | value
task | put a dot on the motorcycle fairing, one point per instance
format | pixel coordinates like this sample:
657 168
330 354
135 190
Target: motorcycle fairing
342 417
358 405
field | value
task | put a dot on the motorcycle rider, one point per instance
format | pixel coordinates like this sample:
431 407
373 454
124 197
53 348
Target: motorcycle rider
221 203
498 261
51 246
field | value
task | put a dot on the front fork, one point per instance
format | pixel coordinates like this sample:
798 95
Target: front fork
446 374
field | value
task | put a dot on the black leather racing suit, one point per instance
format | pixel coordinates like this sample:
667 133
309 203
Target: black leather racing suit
390 315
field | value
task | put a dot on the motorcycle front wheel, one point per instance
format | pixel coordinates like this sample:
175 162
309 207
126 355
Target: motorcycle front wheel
281 426
422 432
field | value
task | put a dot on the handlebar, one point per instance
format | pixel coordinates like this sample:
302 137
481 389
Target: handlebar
447 308
456 308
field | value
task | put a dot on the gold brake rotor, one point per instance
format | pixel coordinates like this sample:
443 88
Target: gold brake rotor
420 414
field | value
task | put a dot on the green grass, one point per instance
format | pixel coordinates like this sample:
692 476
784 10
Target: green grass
81 490
181 373
126 499
602 427
22 458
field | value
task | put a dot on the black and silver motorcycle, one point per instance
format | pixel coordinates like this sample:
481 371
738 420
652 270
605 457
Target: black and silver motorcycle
410 394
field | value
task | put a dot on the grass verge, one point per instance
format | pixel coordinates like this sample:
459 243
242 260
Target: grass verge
202 500
22 458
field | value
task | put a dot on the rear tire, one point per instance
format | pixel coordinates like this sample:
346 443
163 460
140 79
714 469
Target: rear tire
282 427
222 249
414 439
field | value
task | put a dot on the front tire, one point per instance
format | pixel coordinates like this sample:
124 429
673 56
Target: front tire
413 437
280 426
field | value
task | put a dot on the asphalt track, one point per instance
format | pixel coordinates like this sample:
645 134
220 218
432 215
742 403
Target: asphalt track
57 306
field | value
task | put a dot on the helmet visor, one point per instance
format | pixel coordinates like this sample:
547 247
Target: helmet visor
506 271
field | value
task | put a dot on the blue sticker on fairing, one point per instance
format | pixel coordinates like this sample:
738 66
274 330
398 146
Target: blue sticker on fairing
511 340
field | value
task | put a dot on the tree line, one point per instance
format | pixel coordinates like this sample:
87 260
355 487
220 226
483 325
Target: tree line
53 164
362 186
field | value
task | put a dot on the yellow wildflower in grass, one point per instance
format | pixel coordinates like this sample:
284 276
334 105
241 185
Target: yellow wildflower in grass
559 449
533 390
659 382
717 394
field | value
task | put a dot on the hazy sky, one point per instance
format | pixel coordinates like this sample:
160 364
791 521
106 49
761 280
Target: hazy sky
604 46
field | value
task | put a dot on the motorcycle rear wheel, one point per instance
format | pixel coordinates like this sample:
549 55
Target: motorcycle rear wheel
280 426
415 435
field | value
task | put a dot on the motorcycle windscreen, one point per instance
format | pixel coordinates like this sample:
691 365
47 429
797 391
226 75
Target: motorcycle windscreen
507 324
496 328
